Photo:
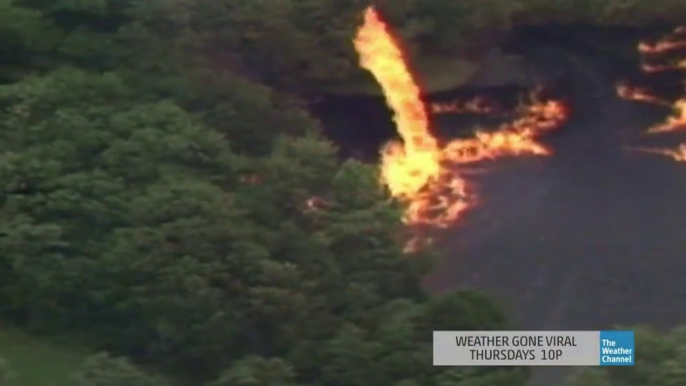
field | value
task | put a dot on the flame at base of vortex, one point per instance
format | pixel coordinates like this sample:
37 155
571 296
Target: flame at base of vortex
417 169
408 167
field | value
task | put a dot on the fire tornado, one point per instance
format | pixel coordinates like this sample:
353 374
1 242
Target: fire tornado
409 166
420 171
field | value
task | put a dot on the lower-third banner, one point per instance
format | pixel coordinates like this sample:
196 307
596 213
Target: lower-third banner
534 348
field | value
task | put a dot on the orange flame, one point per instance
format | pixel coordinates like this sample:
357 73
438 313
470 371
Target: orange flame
411 169
678 154
669 43
651 68
639 94
673 42
478 105
417 170
517 138
407 167
677 121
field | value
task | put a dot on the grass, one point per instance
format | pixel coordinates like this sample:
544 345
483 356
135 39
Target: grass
38 362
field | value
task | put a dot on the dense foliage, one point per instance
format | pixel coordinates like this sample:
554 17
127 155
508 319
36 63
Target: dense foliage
661 361
7 375
128 219
295 45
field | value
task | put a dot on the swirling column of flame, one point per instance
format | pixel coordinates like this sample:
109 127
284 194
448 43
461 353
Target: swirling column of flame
411 169
417 169
677 121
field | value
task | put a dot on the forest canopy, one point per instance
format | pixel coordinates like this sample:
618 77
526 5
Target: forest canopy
302 45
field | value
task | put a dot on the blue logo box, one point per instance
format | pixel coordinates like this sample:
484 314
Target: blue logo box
617 348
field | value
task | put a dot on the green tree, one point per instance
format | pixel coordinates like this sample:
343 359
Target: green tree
83 33
78 150
450 27
472 377
104 370
129 216
24 40
252 116
289 44
7 376
588 377
467 310
257 371
659 362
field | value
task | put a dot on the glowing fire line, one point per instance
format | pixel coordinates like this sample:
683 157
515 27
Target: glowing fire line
677 120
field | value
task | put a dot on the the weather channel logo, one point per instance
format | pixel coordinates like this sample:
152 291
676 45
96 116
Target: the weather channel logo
617 348
534 348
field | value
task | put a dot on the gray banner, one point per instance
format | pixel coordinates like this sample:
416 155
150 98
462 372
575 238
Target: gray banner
516 348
